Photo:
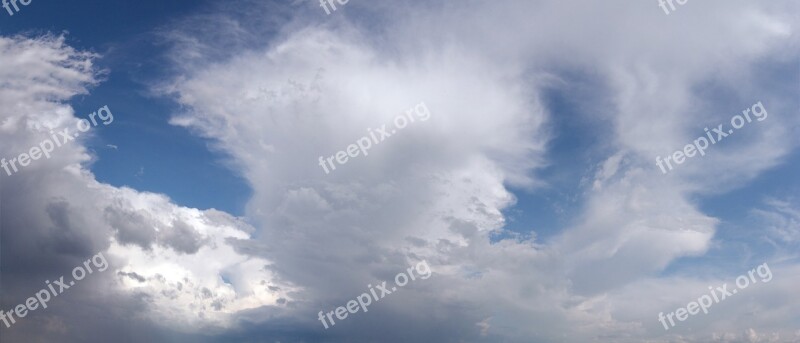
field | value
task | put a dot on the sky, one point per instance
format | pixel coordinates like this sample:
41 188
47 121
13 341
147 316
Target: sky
528 198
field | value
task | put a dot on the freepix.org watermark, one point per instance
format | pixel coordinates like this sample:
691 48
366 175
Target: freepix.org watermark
365 143
663 5
13 3
701 144
719 294
365 299
44 295
324 4
55 141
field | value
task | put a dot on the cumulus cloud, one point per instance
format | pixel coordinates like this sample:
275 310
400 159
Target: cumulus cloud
437 190
168 264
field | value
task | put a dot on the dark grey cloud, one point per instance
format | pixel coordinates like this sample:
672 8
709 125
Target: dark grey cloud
181 237
132 227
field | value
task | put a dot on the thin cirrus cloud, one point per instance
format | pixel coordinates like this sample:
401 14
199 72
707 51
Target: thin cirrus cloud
436 191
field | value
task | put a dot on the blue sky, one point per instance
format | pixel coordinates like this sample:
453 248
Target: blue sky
153 155
532 191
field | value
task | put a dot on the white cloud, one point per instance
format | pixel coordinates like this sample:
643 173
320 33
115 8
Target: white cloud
57 215
436 190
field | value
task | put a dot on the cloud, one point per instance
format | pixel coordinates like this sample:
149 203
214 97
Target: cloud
782 219
436 191
169 265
